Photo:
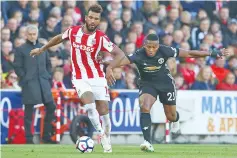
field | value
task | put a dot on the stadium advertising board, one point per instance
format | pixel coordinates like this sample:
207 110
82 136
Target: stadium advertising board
124 112
201 112
204 112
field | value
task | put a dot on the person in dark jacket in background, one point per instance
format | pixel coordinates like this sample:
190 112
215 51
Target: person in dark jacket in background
35 80
230 37
204 80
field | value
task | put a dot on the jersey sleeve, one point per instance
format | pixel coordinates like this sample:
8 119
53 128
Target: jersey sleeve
106 45
133 57
65 35
172 52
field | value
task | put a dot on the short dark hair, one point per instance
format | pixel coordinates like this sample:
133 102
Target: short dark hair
152 37
95 8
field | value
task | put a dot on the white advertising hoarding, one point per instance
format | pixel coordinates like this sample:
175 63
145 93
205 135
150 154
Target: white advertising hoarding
203 112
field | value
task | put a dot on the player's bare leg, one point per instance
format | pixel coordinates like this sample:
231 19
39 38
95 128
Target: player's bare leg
146 101
102 107
87 99
173 116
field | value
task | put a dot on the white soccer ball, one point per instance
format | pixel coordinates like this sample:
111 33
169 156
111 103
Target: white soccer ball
85 144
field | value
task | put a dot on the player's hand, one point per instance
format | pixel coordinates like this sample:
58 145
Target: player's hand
109 76
36 51
216 53
225 52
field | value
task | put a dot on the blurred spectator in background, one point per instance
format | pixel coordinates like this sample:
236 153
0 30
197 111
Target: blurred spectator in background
177 38
198 33
127 19
223 18
138 28
136 15
202 14
36 15
235 73
21 6
188 71
215 27
112 15
12 25
119 83
103 26
57 3
11 81
172 18
228 83
58 78
117 28
208 39
185 45
217 42
66 22
186 33
18 42
118 40
179 82
204 80
186 18
49 30
162 14
132 37
7 47
18 16
22 32
232 63
167 39
3 84
5 34
77 13
35 12
219 69
152 22
147 8
130 80
129 48
230 36
200 63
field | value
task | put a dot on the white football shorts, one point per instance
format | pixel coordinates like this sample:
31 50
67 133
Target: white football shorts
98 86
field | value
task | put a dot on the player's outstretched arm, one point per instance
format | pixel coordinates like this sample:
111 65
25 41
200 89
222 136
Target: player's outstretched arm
54 41
197 53
119 59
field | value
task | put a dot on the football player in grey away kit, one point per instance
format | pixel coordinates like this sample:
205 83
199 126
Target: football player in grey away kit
156 80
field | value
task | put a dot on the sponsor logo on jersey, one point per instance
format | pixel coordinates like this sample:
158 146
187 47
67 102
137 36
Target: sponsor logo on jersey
83 47
161 60
151 68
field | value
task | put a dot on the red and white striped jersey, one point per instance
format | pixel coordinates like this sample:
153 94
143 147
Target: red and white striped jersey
84 51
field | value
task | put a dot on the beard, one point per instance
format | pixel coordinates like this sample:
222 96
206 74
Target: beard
90 29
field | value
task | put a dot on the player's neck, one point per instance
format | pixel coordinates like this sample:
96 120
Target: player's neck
86 31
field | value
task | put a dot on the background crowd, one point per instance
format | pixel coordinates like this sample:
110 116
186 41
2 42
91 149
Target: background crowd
202 25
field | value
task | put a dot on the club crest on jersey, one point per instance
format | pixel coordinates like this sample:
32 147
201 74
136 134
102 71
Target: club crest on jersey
161 60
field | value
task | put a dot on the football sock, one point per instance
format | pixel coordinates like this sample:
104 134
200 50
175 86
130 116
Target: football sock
145 120
177 116
94 116
106 123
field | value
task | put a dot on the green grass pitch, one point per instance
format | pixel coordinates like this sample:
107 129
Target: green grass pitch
120 151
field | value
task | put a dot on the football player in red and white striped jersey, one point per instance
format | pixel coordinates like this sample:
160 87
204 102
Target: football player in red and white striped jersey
88 77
